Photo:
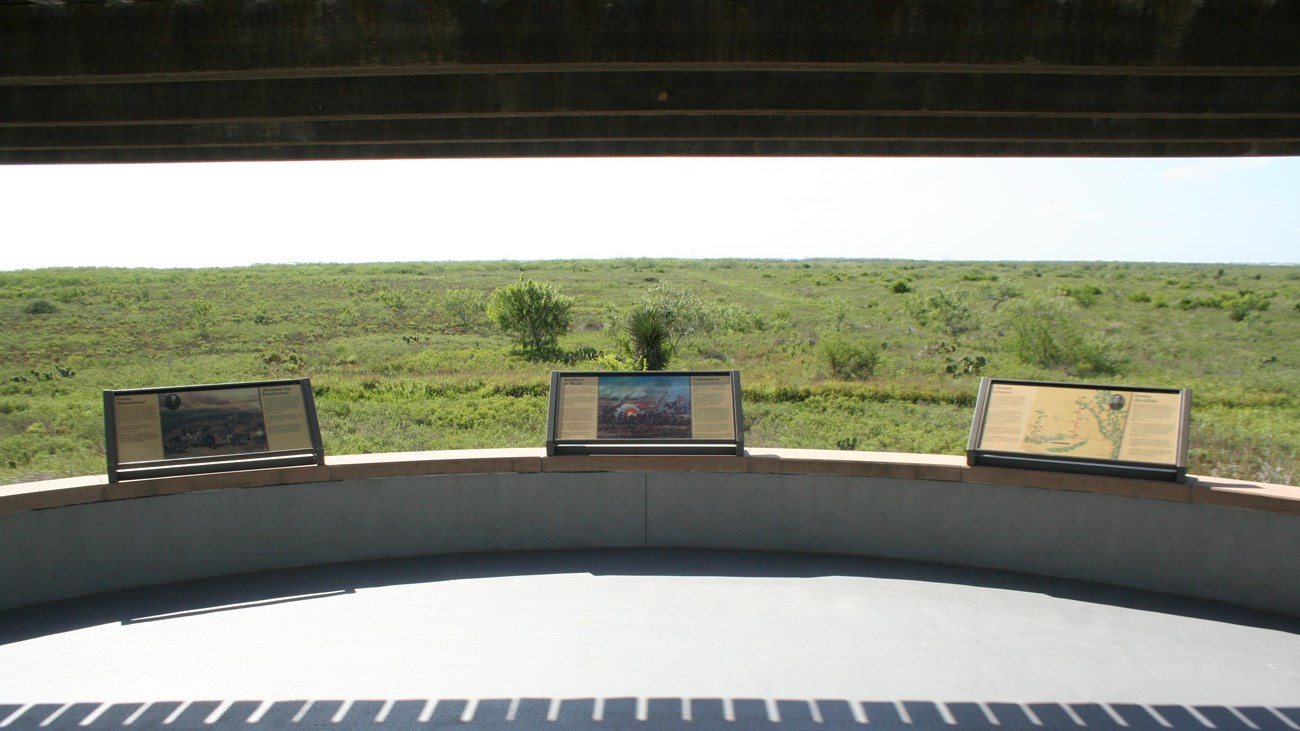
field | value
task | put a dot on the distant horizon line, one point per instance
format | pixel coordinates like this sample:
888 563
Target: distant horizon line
811 259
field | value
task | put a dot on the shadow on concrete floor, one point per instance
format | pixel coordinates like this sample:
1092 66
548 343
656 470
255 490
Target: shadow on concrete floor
650 714
307 583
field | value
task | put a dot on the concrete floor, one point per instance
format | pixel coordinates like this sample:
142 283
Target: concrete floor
645 639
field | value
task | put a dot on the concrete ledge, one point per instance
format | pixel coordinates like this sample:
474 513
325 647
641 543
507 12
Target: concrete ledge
1242 494
405 464
947 468
52 493
645 463
1225 540
1151 489
856 464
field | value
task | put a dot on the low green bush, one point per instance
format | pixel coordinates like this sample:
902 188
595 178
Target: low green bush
535 314
1046 332
848 359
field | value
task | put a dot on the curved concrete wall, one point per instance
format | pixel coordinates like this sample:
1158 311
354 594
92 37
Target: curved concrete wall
1213 539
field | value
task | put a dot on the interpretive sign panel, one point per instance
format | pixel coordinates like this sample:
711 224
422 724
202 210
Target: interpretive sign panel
1112 430
645 412
156 432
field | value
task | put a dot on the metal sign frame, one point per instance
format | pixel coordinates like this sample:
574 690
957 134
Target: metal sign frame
558 441
236 455
1174 470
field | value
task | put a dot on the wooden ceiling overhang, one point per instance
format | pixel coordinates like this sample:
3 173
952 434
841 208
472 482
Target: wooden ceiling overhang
96 81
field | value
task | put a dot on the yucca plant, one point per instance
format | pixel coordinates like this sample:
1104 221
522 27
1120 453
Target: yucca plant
647 331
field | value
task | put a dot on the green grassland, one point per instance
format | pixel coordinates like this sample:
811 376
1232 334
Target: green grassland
398 363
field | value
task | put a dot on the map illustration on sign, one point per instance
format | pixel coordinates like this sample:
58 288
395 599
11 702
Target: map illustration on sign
1080 423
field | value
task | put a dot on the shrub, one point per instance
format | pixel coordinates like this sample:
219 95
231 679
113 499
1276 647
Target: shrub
201 316
949 313
999 295
391 299
465 307
1095 356
1086 294
40 307
839 310
649 334
535 314
685 313
1195 303
1239 305
739 319
848 359
1244 303
289 361
1045 332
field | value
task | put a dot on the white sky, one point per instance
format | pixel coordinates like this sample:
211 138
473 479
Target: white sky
230 214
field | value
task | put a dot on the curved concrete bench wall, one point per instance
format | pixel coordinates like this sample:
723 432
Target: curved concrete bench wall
1236 542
